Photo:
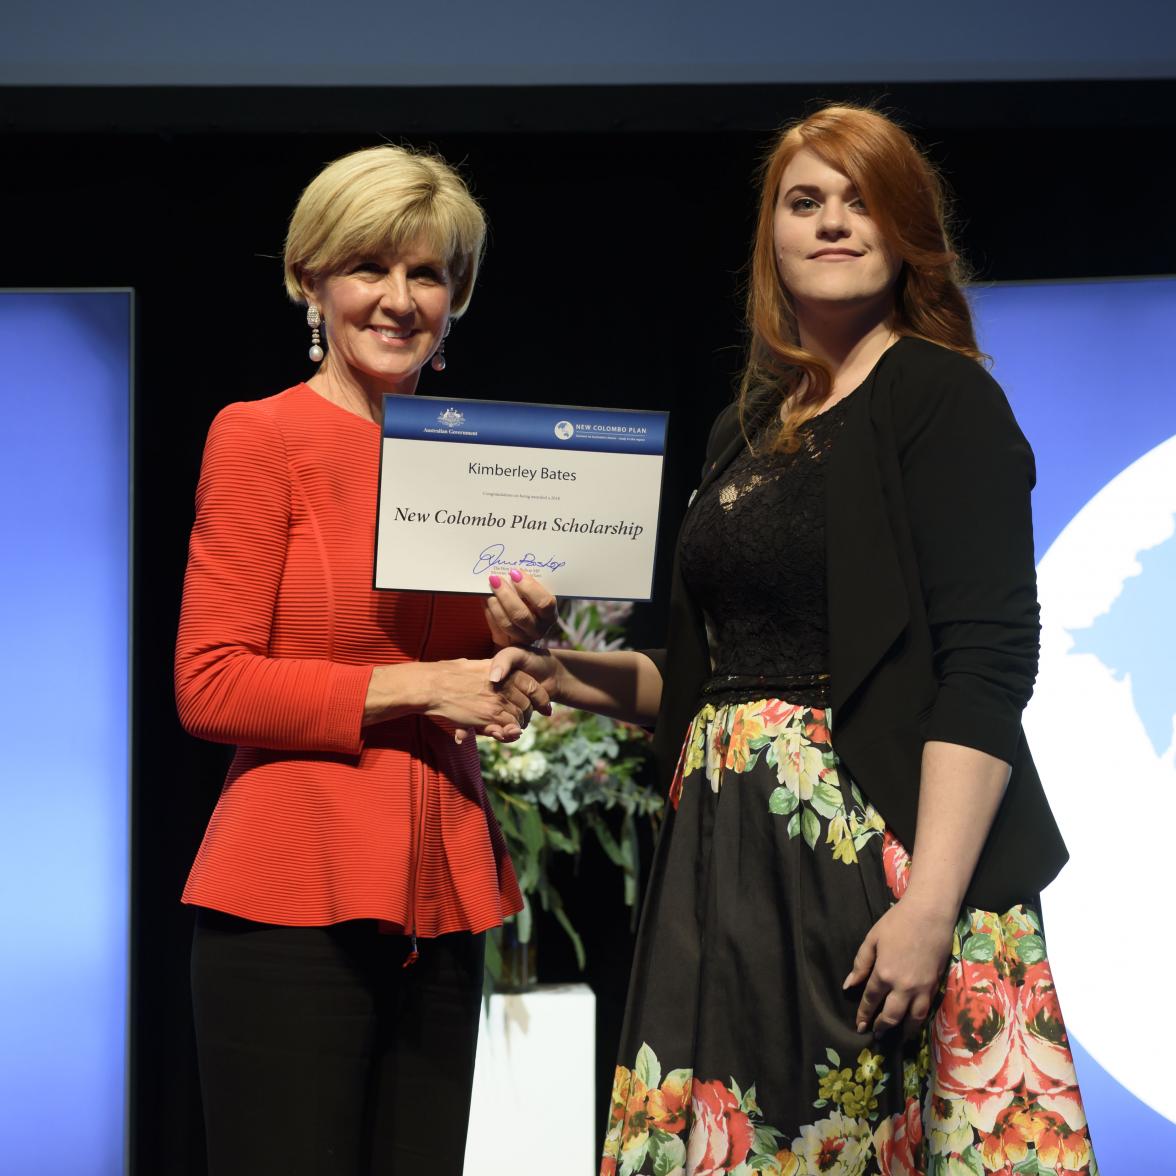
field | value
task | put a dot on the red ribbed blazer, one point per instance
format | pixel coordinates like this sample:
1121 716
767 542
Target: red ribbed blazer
321 819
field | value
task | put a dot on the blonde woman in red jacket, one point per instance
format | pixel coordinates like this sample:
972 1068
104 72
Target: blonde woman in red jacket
353 836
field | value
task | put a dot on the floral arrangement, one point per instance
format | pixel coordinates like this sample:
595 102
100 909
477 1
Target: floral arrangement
569 776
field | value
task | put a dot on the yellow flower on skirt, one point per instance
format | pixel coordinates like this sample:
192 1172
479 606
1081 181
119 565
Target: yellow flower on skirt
746 726
798 763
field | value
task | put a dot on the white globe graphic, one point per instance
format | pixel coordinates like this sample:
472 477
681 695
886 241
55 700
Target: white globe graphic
564 429
1101 726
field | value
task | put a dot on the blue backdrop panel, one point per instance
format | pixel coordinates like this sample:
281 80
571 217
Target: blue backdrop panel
64 513
1087 367
526 42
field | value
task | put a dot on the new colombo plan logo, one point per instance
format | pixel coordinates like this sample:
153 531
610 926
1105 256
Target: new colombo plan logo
564 430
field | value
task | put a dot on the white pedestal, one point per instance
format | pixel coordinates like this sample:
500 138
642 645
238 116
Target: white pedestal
534 1085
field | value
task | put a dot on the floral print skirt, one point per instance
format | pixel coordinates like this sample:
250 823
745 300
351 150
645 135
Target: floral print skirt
739 1053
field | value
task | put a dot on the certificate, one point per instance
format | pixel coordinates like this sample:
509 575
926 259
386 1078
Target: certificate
471 487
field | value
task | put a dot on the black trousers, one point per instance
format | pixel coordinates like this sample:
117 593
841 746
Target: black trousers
322 1055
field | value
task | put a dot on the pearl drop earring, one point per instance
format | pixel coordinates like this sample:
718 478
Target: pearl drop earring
437 363
314 320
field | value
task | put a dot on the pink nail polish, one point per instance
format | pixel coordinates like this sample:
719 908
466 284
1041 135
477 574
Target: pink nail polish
516 575
495 581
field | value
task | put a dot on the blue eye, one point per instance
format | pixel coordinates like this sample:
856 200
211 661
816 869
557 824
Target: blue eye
803 204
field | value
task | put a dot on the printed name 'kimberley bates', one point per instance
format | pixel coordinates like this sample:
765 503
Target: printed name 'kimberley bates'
544 473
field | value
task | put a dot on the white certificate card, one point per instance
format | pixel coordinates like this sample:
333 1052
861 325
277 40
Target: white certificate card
471 487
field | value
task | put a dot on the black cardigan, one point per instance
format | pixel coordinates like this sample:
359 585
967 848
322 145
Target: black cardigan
932 598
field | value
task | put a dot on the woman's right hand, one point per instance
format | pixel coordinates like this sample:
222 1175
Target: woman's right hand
460 692
514 668
467 694
538 665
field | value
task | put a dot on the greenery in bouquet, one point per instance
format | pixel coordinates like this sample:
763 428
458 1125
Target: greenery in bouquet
570 776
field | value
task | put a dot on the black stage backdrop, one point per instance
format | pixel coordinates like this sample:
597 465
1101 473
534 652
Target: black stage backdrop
620 220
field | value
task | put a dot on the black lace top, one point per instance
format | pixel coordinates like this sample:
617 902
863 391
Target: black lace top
753 555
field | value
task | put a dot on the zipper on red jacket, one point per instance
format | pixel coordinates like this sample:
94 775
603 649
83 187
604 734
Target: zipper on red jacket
418 762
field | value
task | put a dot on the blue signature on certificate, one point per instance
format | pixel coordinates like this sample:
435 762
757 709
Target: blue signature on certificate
494 556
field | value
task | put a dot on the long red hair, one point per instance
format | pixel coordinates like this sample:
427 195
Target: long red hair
905 196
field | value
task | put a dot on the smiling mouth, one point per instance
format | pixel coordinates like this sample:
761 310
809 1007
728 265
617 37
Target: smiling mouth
393 334
835 255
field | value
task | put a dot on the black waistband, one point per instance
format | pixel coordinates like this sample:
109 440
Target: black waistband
800 689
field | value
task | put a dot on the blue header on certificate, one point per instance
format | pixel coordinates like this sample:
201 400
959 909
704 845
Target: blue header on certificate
540 426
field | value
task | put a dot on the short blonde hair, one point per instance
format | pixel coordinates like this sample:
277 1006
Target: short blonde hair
384 198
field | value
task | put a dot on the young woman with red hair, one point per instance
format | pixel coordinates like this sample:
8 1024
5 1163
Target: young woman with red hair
841 965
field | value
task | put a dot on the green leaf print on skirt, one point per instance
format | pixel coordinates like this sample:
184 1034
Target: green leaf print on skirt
794 740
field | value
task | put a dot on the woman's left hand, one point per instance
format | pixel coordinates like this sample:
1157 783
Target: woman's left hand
521 611
901 961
